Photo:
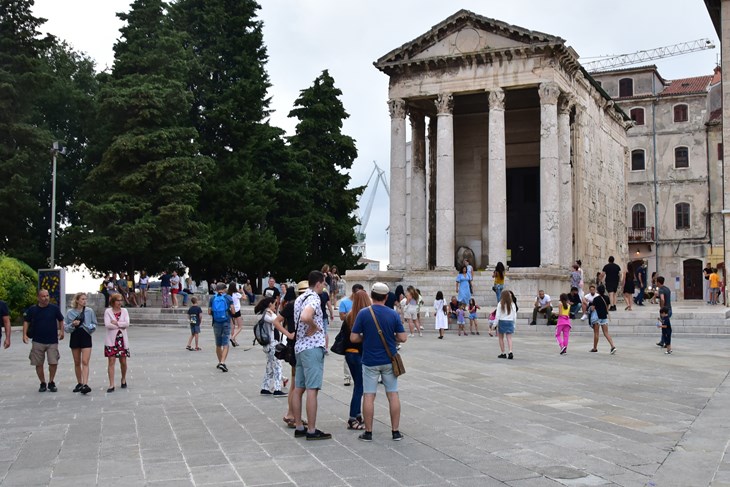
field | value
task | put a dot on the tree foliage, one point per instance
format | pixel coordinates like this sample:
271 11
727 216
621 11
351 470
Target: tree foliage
18 284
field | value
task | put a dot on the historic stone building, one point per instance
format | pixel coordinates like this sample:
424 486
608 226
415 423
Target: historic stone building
675 193
517 154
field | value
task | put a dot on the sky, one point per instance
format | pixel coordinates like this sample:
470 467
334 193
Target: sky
305 37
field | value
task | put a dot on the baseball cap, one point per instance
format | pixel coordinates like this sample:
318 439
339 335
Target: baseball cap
380 288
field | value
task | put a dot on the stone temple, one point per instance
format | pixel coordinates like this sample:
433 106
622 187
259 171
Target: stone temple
516 154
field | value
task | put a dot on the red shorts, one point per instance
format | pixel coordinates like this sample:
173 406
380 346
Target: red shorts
175 291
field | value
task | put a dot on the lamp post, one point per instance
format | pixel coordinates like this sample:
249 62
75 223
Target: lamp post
55 150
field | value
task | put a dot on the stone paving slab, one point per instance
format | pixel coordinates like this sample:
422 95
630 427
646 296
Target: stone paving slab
637 418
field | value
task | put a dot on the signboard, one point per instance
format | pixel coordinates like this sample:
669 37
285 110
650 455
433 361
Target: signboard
54 281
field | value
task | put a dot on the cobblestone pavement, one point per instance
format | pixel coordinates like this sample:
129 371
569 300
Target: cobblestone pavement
636 418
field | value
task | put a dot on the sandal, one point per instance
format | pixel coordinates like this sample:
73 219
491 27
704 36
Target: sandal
189 348
291 422
354 424
198 349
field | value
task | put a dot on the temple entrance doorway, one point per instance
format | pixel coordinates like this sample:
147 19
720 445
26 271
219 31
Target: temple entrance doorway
523 216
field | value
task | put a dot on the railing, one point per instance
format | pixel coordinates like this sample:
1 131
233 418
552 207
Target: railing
641 234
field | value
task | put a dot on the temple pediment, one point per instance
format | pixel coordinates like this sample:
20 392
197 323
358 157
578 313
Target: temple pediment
468 34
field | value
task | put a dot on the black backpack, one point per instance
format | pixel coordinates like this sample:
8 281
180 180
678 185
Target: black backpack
261 333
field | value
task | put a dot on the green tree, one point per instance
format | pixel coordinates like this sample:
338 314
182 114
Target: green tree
24 144
18 284
317 224
229 83
137 207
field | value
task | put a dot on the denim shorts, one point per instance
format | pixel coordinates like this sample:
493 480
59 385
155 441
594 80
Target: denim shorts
194 329
222 333
506 327
371 374
310 368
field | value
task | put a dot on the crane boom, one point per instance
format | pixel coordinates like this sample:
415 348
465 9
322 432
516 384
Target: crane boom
379 174
637 57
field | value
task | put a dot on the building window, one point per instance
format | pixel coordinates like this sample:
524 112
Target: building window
720 154
638 160
681 113
638 216
637 115
681 157
681 212
625 87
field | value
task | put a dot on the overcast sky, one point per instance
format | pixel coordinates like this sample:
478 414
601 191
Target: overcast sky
304 37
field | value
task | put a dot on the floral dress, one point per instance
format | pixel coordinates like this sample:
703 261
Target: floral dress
117 350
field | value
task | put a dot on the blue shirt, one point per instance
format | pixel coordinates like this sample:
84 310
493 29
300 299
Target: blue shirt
345 305
44 322
165 280
373 352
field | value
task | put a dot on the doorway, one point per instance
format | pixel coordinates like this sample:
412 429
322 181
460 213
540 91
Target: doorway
692 279
523 216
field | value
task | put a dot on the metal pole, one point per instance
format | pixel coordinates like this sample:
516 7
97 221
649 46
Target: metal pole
54 151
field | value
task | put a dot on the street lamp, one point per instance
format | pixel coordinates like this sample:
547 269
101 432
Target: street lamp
55 150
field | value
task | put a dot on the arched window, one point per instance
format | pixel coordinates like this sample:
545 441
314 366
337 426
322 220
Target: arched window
637 115
625 87
681 112
638 216
681 215
681 157
638 160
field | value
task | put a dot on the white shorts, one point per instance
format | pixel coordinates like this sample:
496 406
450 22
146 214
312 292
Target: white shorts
410 313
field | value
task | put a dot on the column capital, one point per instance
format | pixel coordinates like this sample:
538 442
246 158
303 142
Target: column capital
496 99
397 107
549 93
445 103
565 103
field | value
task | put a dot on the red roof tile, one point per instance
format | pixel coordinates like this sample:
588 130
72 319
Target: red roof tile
717 77
686 86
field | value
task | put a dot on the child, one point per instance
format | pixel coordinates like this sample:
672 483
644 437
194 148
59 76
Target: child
473 308
492 322
460 318
714 286
195 315
562 330
666 327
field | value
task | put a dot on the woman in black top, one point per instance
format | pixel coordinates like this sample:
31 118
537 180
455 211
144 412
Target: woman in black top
600 306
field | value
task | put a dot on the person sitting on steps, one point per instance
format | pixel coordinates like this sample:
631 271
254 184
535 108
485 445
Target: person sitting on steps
542 305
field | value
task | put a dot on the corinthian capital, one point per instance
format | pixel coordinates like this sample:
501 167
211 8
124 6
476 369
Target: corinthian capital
549 93
496 99
565 103
445 103
397 108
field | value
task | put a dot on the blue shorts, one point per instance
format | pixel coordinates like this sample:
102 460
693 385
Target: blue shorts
222 333
506 327
371 374
142 287
194 329
310 368
472 316
325 325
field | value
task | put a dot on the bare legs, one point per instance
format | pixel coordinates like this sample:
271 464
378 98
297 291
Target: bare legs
81 364
311 407
122 368
596 335
368 410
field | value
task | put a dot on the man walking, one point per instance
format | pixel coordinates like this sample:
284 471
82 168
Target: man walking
376 360
221 309
611 275
641 282
46 323
309 352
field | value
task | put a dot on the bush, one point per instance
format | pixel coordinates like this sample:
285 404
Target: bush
18 286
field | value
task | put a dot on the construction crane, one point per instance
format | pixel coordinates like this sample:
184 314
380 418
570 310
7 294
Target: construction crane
359 247
605 63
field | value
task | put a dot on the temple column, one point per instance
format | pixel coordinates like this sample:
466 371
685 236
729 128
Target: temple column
549 176
418 191
497 191
565 104
398 184
445 235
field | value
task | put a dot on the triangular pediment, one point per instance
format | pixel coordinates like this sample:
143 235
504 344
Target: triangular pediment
466 33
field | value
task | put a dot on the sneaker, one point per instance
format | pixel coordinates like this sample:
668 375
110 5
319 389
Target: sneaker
219 366
583 318
366 436
318 435
397 435
510 356
411 335
593 350
563 350
43 387
420 333
265 392
85 389
668 352
223 368
613 350
532 323
502 355
280 394
300 433
660 344
78 388
52 387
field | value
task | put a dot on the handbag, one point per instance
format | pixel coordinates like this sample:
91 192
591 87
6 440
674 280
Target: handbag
396 360
339 345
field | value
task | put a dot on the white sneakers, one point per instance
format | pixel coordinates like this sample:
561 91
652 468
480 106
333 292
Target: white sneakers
584 317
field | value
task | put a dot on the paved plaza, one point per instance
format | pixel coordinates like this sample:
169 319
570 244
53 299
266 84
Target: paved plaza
637 418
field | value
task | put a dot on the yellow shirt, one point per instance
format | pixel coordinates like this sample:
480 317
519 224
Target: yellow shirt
563 311
498 280
714 280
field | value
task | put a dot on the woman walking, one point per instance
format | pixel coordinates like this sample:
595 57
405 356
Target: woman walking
600 319
80 323
629 288
498 276
506 316
353 357
116 344
237 320
462 286
562 330
143 284
442 322
272 382
410 311
415 305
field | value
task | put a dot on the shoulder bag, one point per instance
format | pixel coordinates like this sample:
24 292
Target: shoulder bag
339 346
396 360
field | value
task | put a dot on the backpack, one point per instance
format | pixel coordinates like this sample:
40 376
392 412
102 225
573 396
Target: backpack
220 308
261 333
193 319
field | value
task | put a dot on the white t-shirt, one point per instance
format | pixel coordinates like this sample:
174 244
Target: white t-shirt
589 297
544 301
236 301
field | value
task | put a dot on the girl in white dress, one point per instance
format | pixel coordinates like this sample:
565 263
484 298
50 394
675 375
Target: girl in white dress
442 322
